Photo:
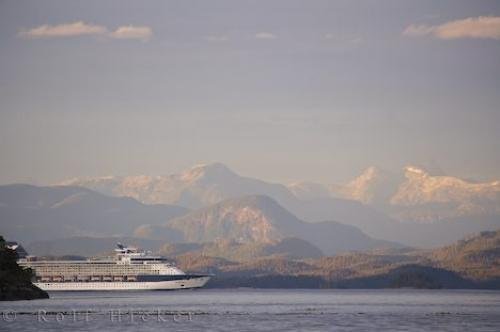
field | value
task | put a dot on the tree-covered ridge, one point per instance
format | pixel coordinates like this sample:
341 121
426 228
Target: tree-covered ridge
15 282
476 257
470 263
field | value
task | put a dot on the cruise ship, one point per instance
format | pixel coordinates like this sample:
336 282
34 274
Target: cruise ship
130 269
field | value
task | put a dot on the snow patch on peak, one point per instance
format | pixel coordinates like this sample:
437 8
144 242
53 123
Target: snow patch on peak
206 171
139 180
372 186
308 190
103 184
422 188
77 181
370 172
414 171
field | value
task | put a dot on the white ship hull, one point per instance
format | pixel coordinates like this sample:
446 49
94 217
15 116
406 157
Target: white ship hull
131 269
119 285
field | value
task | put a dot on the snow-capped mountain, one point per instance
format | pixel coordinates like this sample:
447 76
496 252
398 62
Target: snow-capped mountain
420 187
425 197
208 184
202 185
418 195
308 190
374 187
413 194
376 202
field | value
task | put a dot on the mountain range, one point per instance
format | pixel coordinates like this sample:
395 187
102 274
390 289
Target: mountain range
211 202
253 240
417 195
199 186
408 206
261 219
424 196
32 214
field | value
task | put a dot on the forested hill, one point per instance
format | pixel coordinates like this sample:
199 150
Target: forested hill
15 283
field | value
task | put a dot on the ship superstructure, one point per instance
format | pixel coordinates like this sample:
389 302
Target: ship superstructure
130 269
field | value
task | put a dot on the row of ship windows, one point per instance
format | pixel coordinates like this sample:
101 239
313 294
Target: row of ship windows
93 269
89 285
91 279
89 274
121 266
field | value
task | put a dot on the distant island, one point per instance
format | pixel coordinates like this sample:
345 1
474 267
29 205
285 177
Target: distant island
15 282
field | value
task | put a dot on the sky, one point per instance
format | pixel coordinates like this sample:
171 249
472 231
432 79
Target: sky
279 90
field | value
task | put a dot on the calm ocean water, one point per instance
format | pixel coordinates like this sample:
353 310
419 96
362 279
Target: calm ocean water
258 310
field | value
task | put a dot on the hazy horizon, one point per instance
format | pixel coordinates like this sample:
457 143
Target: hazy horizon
281 90
432 169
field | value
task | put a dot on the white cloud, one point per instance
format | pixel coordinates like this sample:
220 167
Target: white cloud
217 38
64 30
472 27
265 35
418 30
143 33
81 28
